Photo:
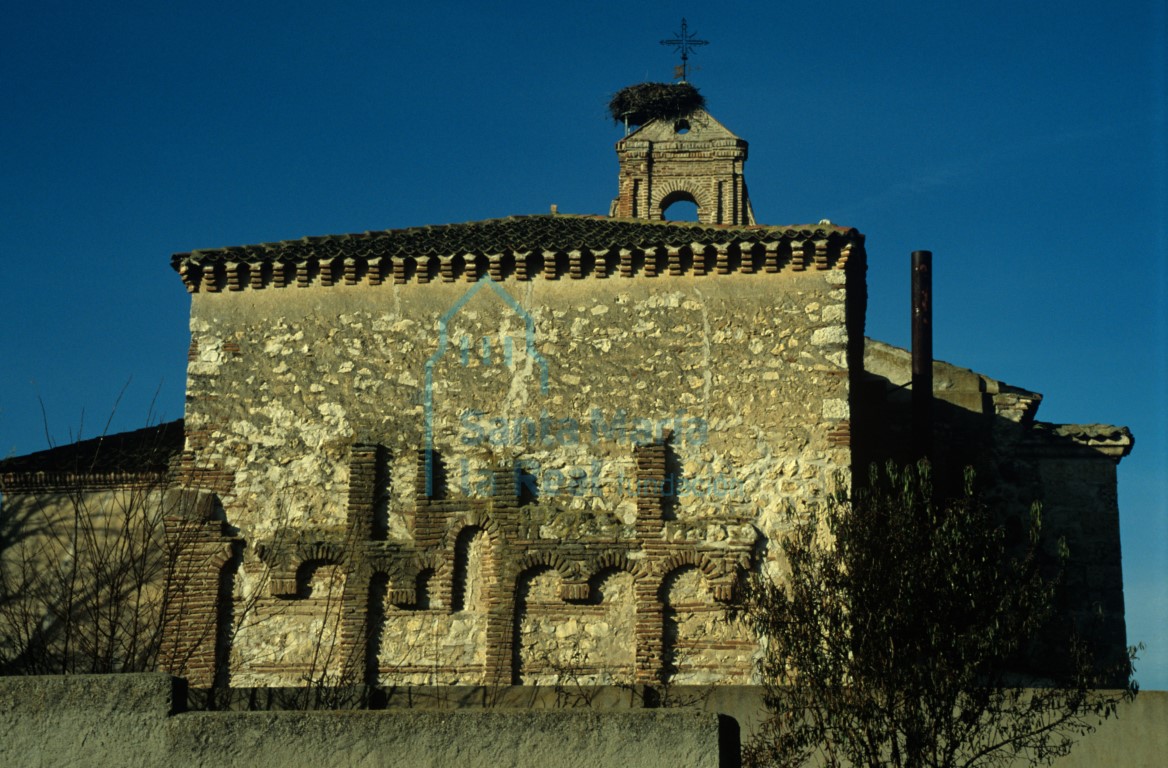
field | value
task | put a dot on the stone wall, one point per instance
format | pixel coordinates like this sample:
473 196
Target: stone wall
514 476
1078 491
1069 469
286 381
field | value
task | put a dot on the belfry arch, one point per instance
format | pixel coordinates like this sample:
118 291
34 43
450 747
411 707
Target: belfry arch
678 196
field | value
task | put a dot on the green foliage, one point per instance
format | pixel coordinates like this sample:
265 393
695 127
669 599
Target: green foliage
901 634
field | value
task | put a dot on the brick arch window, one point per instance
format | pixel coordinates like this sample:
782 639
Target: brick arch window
319 579
423 600
225 620
680 205
467 587
375 622
538 610
685 597
700 645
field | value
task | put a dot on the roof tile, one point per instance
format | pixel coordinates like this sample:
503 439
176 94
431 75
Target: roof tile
557 232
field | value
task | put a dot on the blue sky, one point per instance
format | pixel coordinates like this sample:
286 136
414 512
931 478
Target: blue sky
1024 143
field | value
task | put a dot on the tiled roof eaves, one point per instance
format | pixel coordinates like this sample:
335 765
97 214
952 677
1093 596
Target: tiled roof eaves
1108 439
106 461
1086 432
455 250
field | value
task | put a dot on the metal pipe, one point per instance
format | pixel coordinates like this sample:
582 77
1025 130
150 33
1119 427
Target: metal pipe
922 353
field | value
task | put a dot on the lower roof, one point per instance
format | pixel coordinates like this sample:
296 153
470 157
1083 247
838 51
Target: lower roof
142 452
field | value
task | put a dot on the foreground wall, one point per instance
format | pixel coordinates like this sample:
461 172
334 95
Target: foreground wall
137 720
128 720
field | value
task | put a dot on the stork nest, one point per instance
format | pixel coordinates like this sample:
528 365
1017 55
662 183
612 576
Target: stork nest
638 104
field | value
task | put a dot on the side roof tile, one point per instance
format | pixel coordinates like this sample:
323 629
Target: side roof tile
141 452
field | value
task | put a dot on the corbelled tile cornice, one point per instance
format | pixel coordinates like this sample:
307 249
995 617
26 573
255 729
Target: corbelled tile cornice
521 247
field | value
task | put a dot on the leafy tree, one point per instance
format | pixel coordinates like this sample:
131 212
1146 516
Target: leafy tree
900 637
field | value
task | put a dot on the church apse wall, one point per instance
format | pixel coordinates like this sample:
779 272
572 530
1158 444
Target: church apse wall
528 481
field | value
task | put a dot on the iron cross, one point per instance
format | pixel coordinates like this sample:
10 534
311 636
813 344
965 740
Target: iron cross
684 43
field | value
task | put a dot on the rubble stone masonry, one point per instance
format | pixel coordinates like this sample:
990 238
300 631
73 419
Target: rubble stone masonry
519 481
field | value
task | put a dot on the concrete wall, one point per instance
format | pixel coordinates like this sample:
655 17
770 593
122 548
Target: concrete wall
1137 738
128 721
137 720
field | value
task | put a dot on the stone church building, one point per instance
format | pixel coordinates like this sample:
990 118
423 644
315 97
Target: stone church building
543 448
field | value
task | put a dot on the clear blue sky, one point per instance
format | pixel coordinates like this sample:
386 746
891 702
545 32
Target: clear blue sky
1024 143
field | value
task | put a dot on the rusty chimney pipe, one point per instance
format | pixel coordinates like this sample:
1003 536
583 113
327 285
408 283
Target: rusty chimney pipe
922 354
